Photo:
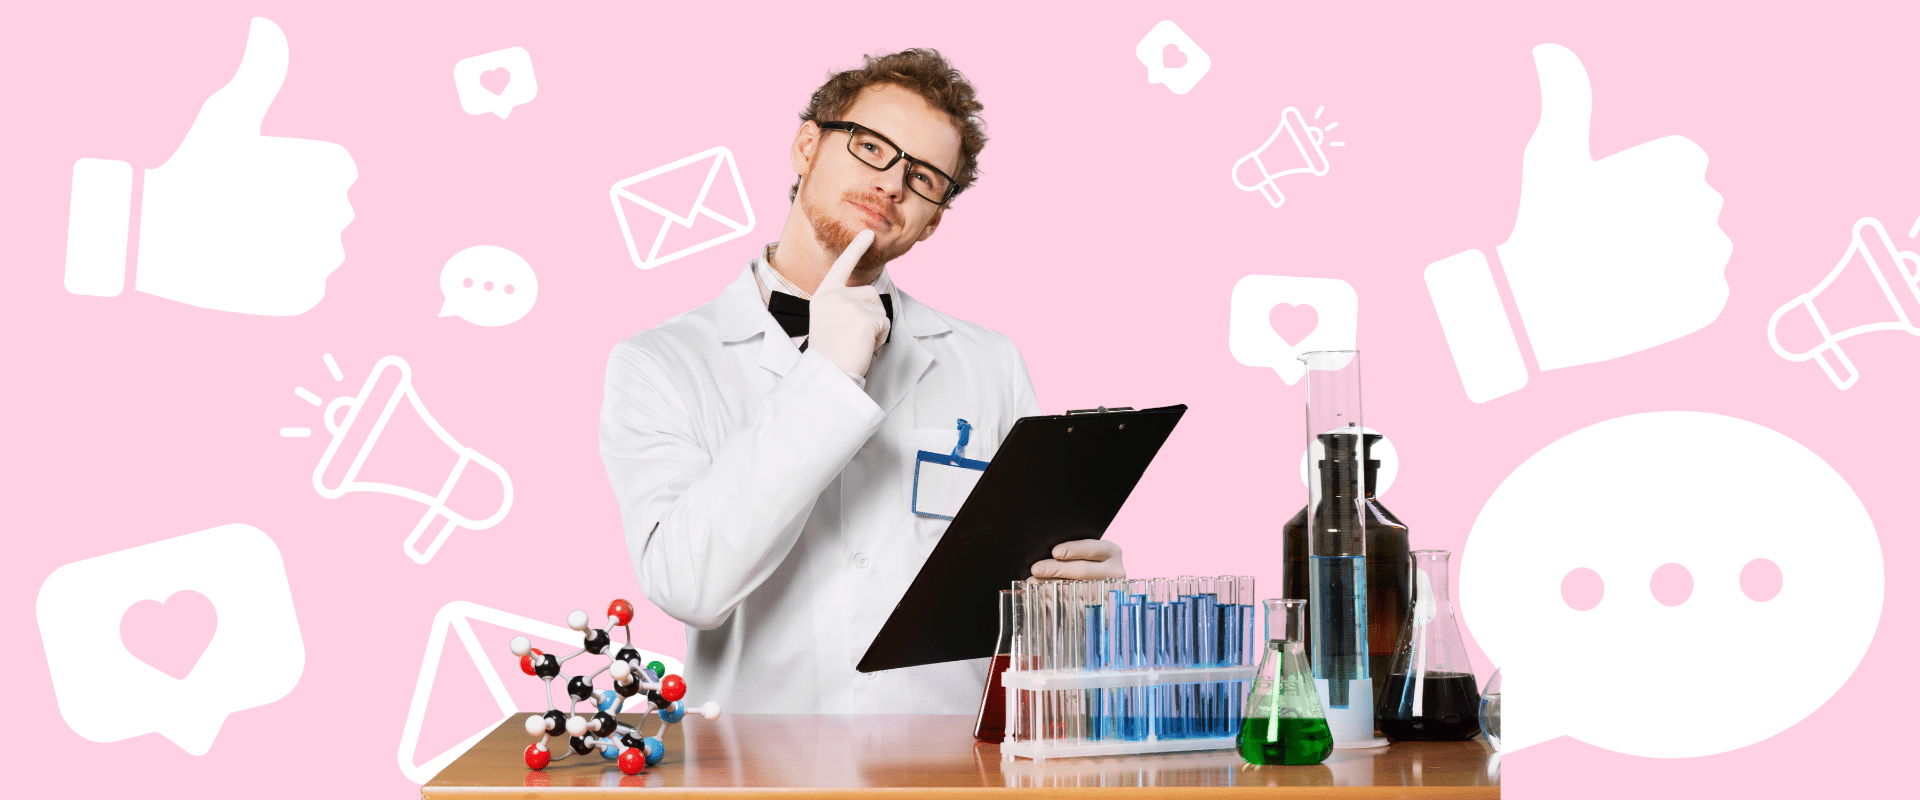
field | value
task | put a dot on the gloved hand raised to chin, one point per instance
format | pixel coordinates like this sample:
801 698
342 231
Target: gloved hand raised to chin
847 324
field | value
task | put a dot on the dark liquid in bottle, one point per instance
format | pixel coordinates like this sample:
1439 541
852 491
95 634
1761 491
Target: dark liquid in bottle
1291 741
991 726
1450 708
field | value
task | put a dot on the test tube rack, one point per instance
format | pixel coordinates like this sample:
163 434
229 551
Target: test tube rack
1101 668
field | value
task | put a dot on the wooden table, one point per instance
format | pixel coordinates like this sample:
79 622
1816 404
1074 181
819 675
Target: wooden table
900 756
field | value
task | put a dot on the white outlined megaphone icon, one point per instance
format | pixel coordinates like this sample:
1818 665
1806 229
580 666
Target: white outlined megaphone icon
1306 141
1873 249
364 427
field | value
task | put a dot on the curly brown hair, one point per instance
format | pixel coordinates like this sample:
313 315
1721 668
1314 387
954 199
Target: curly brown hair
924 71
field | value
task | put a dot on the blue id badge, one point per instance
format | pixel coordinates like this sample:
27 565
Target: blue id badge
942 481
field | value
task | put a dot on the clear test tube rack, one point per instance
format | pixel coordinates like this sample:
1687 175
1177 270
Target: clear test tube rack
1102 668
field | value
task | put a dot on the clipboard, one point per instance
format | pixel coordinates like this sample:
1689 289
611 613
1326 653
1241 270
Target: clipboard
1055 479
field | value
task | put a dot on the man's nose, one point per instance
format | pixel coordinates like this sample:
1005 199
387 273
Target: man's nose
892 181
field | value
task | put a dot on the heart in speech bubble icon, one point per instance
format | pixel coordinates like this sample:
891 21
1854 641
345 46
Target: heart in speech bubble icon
1274 318
170 636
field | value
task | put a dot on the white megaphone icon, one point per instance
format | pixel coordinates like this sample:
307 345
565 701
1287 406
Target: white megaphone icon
1306 145
1875 253
357 425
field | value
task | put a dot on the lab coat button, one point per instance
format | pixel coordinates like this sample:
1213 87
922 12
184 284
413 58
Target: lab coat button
860 560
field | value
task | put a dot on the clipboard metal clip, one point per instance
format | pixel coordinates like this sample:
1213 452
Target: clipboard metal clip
1101 410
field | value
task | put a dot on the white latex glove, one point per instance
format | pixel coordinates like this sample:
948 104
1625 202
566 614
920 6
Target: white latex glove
1082 560
847 323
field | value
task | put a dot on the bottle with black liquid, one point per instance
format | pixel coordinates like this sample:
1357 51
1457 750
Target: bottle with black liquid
1430 692
1389 576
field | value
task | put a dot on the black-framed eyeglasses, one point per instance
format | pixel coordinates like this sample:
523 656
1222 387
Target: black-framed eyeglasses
879 152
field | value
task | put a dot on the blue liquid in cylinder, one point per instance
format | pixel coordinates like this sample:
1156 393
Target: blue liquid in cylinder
1338 605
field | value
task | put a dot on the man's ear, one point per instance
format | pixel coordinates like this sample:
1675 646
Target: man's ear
806 144
932 224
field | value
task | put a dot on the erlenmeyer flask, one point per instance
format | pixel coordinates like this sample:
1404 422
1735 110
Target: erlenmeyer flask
1284 722
1431 694
991 724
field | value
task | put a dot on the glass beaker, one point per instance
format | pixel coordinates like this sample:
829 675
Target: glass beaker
1431 694
1284 723
991 724
1490 710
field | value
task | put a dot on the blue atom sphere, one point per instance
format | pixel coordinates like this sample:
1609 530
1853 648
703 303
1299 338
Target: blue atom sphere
673 712
656 750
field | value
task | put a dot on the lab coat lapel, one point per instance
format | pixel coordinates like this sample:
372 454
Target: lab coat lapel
742 314
904 361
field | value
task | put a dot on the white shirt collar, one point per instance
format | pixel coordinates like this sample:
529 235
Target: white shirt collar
770 280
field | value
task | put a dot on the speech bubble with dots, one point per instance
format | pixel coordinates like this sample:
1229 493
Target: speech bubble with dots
488 285
1671 584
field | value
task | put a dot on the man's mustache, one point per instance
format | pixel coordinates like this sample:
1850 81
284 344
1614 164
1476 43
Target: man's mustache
877 203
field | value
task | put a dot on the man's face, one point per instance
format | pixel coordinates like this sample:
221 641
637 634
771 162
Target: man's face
842 196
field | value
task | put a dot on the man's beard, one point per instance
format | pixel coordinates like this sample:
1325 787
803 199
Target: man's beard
834 236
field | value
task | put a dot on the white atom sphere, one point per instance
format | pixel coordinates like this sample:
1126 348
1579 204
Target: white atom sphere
521 646
710 709
577 620
620 670
536 725
576 725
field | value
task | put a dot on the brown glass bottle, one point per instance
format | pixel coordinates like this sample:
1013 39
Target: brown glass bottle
1389 575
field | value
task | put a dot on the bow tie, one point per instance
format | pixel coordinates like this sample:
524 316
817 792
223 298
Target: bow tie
791 313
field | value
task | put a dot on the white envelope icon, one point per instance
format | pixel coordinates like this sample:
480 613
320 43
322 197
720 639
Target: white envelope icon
680 210
456 615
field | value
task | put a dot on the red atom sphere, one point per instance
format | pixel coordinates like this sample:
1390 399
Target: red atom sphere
526 663
632 760
538 758
621 610
673 687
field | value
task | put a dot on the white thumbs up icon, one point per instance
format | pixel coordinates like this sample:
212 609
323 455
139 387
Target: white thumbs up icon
234 221
1607 257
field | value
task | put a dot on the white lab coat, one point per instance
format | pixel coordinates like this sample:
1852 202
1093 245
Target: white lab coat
765 496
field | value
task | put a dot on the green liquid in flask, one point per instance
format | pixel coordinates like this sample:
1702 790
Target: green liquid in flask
1285 740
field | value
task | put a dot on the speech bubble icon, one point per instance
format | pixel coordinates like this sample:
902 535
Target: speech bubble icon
1626 499
106 694
476 98
1152 52
1250 334
487 285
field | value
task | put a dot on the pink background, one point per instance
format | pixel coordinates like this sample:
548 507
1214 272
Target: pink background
1104 238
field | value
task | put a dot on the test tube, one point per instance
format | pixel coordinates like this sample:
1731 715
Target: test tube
1160 655
1207 635
1185 655
1016 660
1249 644
1135 592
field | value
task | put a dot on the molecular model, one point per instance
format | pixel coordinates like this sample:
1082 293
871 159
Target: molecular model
615 741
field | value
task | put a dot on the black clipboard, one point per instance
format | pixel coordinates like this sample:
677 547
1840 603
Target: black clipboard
1055 479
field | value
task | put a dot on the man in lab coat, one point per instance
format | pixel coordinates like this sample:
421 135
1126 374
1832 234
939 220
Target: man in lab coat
762 446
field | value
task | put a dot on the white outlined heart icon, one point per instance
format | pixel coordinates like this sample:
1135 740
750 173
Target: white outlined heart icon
1250 333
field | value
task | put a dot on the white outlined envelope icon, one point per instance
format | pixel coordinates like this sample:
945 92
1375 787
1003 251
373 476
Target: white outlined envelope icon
457 615
659 213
